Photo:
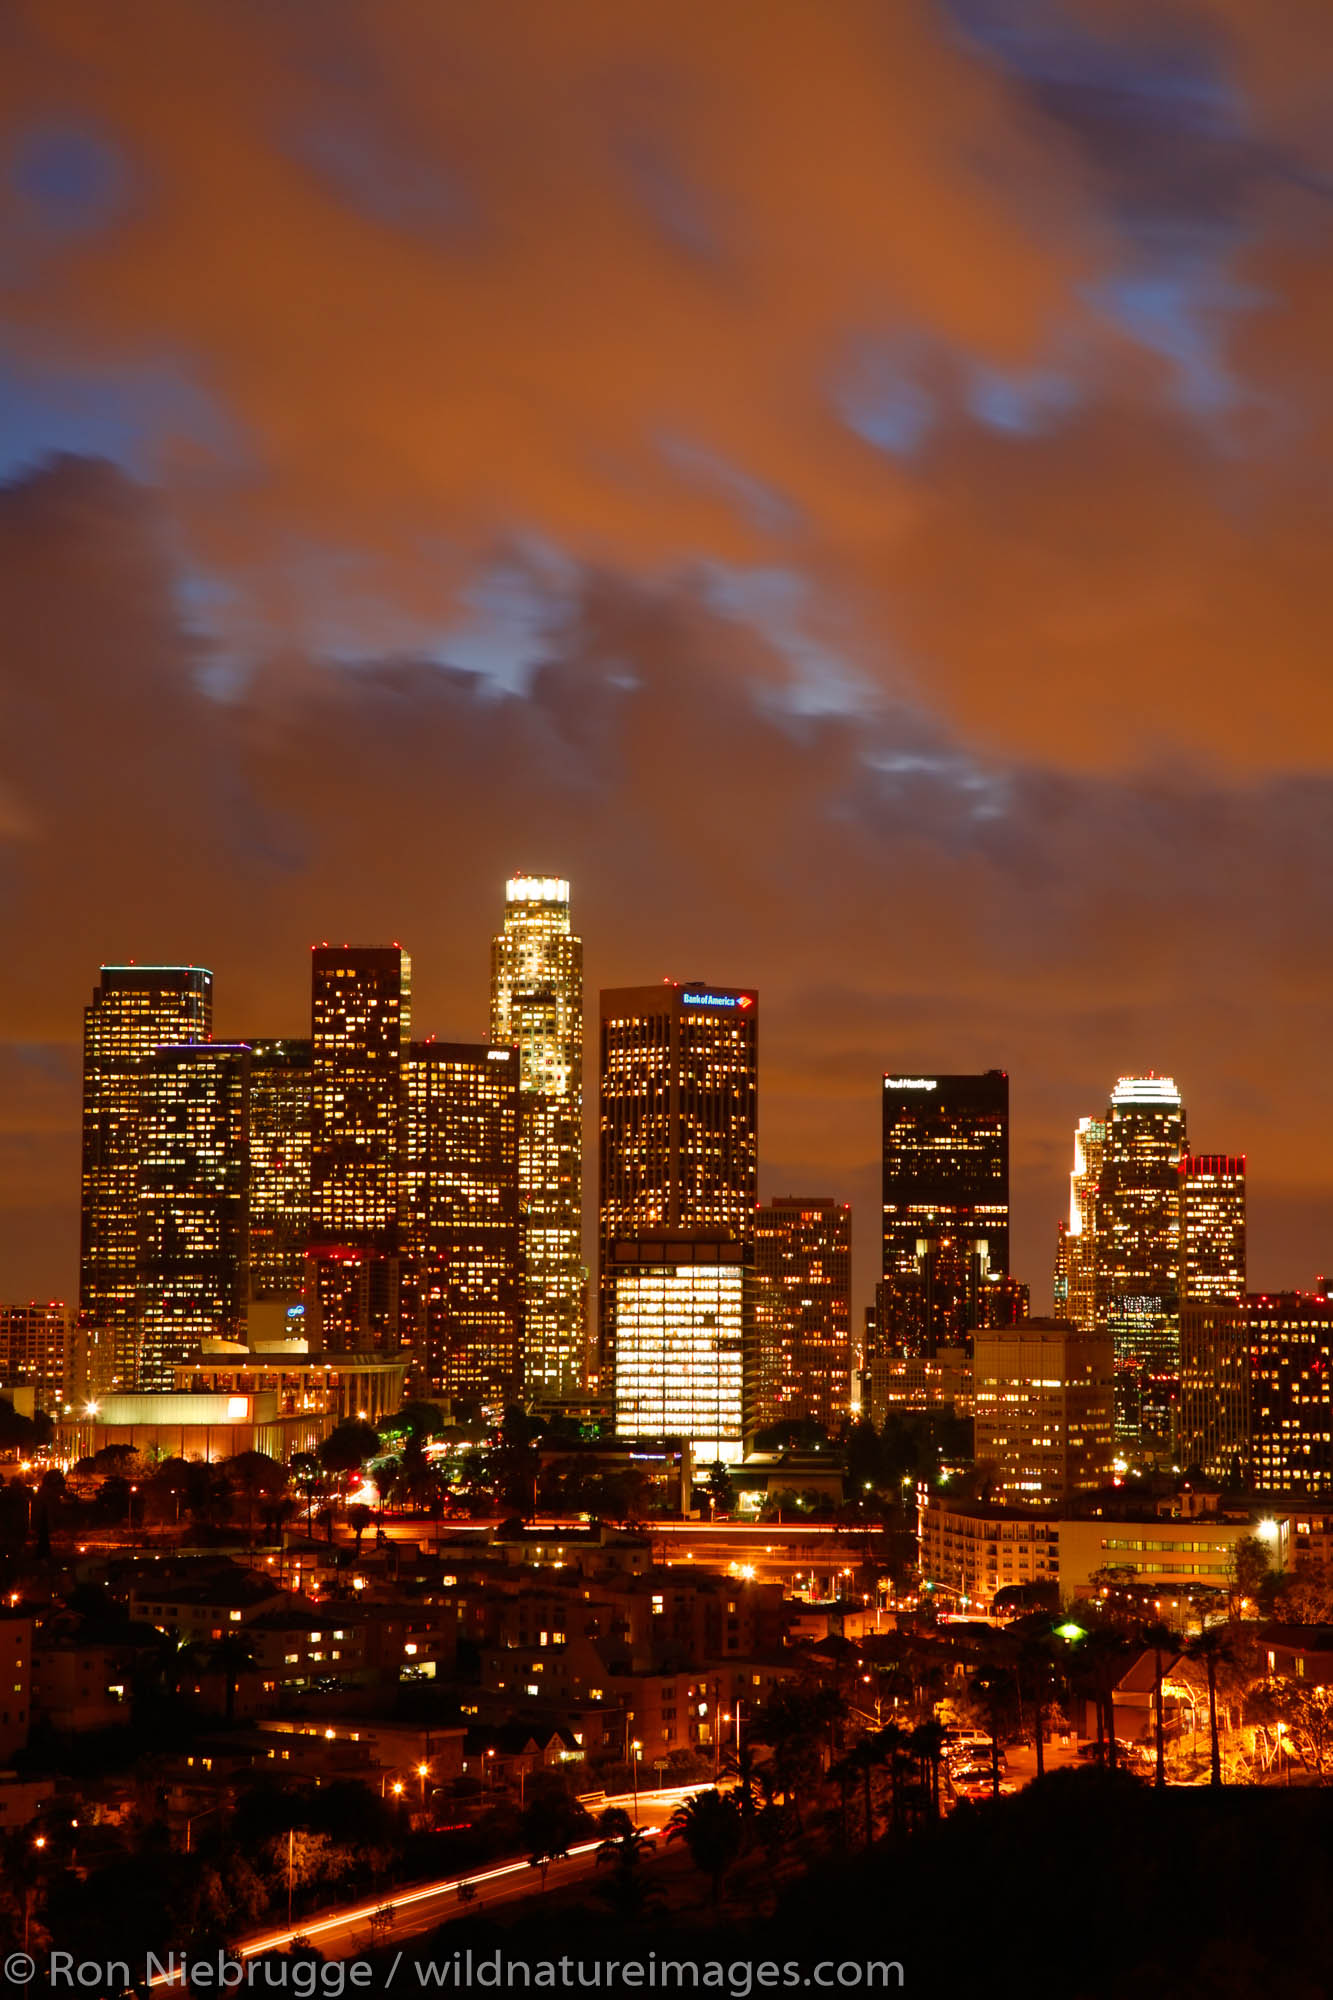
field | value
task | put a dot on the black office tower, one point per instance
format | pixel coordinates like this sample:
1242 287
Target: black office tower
946 1205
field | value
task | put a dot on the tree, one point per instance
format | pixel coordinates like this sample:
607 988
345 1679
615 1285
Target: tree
255 1476
1251 1576
359 1518
622 1850
719 1490
552 1821
1306 1713
1165 1643
1212 1648
709 1823
348 1447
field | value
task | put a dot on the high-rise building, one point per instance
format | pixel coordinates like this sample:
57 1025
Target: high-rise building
280 1094
537 1008
135 1009
803 1313
192 1146
361 1018
679 1117
461 1218
1212 1226
1044 1410
37 1350
681 1310
1081 1237
1137 1230
1213 1431
1060 1275
946 1203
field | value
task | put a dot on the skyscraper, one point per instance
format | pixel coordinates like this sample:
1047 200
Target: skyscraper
192 1145
1081 1240
1137 1231
1257 1390
280 1108
1212 1226
135 1009
537 1008
1044 1410
461 1218
361 1009
803 1314
946 1203
679 1117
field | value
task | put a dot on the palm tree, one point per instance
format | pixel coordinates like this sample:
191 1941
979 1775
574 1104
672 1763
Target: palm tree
622 1849
927 1746
709 1823
1214 1647
1163 1640
1104 1654
739 1762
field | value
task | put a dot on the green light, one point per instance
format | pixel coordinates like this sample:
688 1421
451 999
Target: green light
1070 1632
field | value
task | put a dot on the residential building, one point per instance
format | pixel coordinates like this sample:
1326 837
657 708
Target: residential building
1044 1410
537 1008
803 1312
37 1350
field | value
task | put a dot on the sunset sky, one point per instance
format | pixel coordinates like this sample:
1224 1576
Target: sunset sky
848 484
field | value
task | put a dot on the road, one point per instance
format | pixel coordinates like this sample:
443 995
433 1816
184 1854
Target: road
346 1932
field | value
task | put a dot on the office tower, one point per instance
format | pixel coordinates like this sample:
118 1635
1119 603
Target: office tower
135 1009
1290 1341
1137 1227
192 1143
681 1308
461 1219
679 1117
1213 1432
37 1350
1060 1277
803 1313
1043 1410
361 1009
1212 1226
537 1008
946 1203
280 1105
1081 1237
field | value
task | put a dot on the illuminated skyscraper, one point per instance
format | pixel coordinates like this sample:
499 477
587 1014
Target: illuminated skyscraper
946 1204
1060 1275
192 1203
280 1091
1212 1226
461 1219
135 1009
803 1315
681 1311
1081 1240
1137 1251
1257 1390
679 1116
537 1007
361 1008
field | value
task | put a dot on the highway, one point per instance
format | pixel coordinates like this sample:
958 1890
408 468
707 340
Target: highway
346 1932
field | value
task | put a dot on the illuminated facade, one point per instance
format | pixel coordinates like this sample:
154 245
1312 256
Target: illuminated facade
1081 1236
1291 1391
803 1314
280 1091
1043 1406
1137 1252
678 1117
461 1217
37 1350
1213 1433
1212 1226
682 1314
361 1013
135 1009
192 1203
946 1204
537 1008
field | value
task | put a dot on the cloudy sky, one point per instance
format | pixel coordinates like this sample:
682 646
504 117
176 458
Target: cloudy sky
849 485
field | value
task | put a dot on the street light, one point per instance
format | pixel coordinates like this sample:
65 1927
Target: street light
636 1747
